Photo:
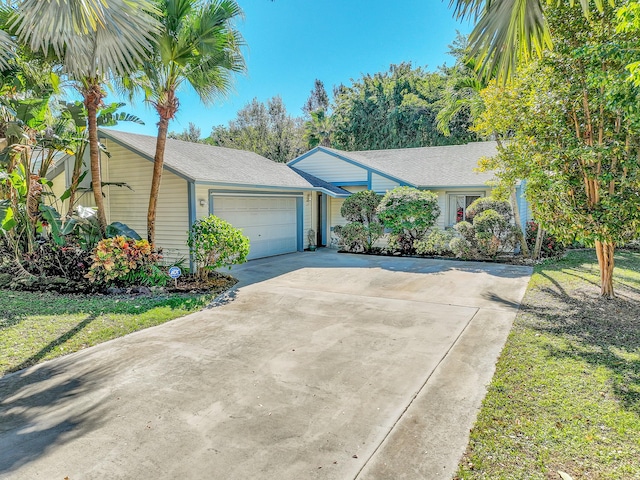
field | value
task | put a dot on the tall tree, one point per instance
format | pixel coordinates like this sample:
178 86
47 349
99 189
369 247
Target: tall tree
393 109
93 39
266 129
198 45
318 99
573 128
190 134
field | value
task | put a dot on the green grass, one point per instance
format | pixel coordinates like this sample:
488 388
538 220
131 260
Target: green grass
566 392
40 326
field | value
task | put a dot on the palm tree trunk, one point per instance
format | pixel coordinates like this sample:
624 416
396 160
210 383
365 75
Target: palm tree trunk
93 96
158 162
605 251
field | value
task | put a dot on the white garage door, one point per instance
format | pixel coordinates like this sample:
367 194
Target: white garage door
269 222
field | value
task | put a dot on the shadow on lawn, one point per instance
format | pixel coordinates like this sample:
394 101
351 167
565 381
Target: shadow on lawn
602 332
41 409
36 357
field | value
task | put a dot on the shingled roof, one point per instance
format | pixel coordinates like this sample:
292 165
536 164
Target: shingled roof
451 165
203 163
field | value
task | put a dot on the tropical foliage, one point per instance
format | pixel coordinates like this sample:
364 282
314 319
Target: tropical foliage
393 109
125 261
198 45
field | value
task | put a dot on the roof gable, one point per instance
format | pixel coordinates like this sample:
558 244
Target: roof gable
427 167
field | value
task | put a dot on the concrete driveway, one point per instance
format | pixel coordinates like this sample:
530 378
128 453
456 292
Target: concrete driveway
320 366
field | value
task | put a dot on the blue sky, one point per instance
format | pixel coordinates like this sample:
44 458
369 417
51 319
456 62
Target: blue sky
290 43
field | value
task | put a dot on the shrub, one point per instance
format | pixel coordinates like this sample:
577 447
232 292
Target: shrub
215 243
487 203
358 237
361 207
550 246
464 246
409 213
436 243
489 234
364 227
125 261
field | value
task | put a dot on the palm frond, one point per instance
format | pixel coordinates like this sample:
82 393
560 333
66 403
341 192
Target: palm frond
508 31
92 37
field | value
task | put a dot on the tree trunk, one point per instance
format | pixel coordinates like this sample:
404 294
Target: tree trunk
605 252
516 218
158 162
538 246
75 180
93 96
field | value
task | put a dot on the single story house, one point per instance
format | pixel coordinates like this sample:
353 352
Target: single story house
275 204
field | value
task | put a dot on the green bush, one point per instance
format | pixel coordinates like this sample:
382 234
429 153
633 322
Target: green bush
409 213
358 237
124 261
487 203
215 243
489 234
437 242
361 207
364 227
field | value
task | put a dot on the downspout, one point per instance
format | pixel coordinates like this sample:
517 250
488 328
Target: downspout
191 202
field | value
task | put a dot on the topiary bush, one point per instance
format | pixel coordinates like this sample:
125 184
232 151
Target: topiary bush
409 213
364 227
487 203
121 261
493 233
358 237
490 233
215 243
436 243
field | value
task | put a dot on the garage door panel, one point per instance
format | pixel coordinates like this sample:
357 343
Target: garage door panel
270 223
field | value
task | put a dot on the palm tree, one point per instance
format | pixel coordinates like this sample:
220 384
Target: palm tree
93 39
509 30
318 130
198 46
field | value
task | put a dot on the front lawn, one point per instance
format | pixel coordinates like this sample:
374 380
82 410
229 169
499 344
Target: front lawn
566 393
39 326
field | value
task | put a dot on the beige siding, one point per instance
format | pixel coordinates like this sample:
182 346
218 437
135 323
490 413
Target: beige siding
331 169
380 184
130 206
334 205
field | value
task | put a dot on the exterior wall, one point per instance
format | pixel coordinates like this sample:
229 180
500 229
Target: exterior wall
130 206
331 169
84 198
381 185
334 218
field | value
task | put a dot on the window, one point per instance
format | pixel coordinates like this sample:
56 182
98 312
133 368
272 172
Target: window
458 205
